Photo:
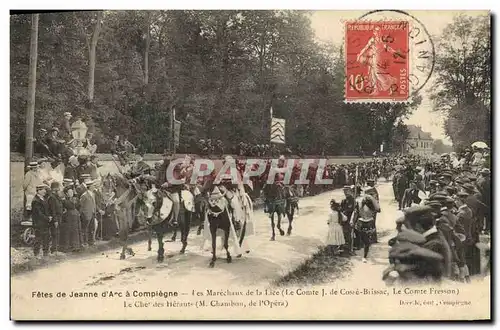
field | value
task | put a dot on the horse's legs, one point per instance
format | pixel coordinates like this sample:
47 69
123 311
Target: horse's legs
123 239
161 251
129 215
213 233
185 226
272 226
150 236
226 245
282 232
199 217
290 214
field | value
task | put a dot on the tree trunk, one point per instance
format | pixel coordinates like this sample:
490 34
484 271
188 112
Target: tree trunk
30 111
146 51
92 56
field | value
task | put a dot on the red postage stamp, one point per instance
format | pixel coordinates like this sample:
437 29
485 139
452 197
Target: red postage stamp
377 61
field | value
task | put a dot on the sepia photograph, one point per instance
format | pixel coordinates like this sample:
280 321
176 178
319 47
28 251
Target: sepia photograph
250 165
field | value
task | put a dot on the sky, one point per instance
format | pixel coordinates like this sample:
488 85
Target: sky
329 28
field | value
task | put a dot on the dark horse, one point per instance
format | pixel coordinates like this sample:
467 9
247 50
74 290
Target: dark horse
126 193
162 220
218 217
279 200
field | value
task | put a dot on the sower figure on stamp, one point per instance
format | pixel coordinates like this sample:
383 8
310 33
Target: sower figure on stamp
369 55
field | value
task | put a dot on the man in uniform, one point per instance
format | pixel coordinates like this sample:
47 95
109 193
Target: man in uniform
347 206
41 221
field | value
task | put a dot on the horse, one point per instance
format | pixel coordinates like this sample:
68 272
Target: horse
275 201
217 216
126 193
161 220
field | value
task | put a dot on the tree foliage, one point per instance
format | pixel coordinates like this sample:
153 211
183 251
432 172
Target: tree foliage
221 70
463 79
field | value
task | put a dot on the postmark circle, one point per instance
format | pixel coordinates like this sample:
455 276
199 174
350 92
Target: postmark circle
422 50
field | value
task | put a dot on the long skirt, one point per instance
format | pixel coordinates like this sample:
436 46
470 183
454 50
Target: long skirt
70 231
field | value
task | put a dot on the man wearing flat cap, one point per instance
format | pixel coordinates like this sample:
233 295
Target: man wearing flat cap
465 220
422 219
41 218
475 204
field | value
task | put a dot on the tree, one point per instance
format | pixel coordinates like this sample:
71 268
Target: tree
222 70
463 82
92 55
30 111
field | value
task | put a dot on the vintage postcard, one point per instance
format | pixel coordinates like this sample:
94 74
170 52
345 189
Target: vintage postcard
250 165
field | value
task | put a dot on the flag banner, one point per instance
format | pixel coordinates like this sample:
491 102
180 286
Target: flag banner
177 132
277 130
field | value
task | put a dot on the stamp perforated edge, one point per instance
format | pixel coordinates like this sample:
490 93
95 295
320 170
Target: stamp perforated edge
408 100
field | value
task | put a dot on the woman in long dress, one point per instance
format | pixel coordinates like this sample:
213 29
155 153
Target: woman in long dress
71 226
335 237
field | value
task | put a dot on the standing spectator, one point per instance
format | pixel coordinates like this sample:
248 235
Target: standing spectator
71 225
87 214
41 221
336 219
32 179
55 202
465 219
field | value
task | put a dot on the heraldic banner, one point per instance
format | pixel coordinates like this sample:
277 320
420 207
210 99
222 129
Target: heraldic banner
277 130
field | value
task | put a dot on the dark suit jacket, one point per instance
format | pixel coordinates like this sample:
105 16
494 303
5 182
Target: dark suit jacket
87 206
55 206
40 212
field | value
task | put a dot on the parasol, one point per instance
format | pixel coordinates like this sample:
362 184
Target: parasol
479 145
